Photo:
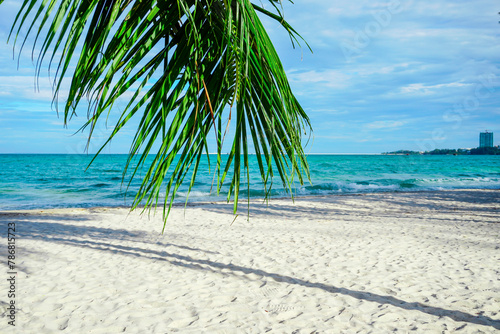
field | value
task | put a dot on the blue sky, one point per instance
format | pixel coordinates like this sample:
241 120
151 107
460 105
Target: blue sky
383 76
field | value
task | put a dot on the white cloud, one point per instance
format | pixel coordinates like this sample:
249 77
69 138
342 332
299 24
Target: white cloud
420 88
385 124
324 111
24 87
325 78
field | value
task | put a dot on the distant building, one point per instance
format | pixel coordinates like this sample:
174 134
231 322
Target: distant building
486 139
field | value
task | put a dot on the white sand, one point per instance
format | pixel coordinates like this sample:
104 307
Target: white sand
413 262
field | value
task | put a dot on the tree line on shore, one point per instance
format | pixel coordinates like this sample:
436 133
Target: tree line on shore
460 151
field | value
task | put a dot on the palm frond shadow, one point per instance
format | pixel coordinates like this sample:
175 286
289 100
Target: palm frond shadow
483 204
104 239
455 200
43 228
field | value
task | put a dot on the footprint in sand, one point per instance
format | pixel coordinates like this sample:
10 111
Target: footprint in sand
274 293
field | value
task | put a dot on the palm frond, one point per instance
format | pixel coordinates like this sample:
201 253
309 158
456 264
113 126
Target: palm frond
199 64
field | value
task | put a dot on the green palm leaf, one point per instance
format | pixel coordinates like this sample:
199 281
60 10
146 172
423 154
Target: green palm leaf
197 63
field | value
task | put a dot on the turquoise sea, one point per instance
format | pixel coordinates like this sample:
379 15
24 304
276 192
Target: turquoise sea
49 181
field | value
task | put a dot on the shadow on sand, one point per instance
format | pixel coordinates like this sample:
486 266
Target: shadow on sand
105 240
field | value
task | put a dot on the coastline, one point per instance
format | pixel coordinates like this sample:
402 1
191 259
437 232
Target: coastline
425 261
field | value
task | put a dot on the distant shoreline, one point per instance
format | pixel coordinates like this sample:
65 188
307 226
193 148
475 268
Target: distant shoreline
495 150
251 154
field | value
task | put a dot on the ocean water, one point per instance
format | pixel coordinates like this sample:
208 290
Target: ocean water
54 181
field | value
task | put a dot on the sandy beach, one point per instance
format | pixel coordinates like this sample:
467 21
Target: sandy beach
422 262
